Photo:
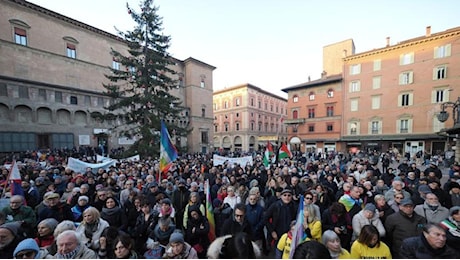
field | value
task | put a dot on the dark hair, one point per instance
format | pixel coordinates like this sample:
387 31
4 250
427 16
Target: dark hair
337 208
125 240
311 250
367 234
427 227
239 246
240 206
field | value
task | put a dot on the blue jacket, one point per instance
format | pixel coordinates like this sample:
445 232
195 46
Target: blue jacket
254 215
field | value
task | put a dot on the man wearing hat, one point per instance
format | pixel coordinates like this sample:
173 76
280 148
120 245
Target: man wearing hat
434 169
403 224
432 209
454 192
9 239
54 208
279 215
178 248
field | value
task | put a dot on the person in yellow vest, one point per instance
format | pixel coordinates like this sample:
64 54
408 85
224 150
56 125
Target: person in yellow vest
283 248
369 246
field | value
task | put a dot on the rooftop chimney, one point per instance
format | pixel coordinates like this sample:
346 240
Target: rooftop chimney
428 31
309 79
344 53
323 74
388 41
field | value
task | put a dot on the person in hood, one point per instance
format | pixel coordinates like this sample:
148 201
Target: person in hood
27 248
197 231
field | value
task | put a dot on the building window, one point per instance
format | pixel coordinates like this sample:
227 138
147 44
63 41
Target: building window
329 127
353 128
375 102
374 127
404 126
115 65
237 102
71 51
311 96
354 104
276 109
440 72
406 78
73 100
311 128
266 127
42 94
87 101
266 106
260 127
442 51
3 90
215 106
260 104
252 102
405 99
226 127
237 126
204 137
295 114
203 112
330 111
202 84
311 113
20 36
295 99
354 86
23 92
252 126
100 102
377 65
440 95
407 58
58 97
216 128
330 93
225 104
271 108
376 82
355 69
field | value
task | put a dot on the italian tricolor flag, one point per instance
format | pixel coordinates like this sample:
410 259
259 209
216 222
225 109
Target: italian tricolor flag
284 152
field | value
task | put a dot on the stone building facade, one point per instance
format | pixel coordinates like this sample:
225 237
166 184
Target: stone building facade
51 78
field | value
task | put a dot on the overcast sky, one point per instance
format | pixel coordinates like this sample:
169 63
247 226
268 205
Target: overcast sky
270 44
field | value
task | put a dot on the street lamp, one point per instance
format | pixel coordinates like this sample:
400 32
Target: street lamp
444 115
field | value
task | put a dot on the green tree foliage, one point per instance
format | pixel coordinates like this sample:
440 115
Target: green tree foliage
139 89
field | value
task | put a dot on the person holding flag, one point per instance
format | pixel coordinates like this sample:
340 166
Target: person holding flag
267 160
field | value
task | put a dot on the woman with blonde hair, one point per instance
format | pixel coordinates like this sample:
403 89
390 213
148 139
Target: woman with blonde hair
311 223
91 228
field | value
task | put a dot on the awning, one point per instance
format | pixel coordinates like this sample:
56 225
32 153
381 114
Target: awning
295 140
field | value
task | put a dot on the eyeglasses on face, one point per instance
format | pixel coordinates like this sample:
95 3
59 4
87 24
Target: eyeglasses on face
26 254
308 198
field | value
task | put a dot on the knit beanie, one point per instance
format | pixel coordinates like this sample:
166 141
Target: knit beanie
370 207
27 244
176 237
13 227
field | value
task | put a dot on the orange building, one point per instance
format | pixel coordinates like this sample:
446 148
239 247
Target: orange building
392 95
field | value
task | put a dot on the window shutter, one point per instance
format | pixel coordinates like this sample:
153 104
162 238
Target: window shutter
411 77
446 95
448 50
435 52
411 99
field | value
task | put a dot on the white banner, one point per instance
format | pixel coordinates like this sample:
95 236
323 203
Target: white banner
80 166
242 161
100 158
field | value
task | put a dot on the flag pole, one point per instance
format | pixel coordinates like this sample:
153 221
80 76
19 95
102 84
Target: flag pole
5 185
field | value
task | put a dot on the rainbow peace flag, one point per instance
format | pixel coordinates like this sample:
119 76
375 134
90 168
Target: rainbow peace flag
168 152
298 235
210 213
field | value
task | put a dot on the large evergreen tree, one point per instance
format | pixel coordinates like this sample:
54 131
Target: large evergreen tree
140 89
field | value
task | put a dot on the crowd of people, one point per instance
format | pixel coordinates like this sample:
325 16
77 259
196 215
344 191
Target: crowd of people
353 207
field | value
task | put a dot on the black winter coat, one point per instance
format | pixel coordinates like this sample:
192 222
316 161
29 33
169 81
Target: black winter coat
418 248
